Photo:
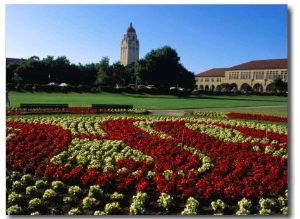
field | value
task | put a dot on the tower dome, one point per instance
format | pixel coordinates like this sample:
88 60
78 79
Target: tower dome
130 29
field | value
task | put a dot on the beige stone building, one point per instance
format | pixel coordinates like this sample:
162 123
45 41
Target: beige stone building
130 47
258 74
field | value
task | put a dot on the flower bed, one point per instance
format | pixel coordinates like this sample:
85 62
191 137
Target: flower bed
145 165
246 116
75 110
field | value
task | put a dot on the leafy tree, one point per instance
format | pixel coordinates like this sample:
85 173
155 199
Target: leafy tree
17 81
119 74
88 73
49 69
61 73
10 71
30 70
140 72
104 73
164 69
279 84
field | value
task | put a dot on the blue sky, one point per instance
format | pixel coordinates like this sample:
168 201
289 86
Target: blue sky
204 36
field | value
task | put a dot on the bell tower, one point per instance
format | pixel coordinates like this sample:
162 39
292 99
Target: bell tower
130 47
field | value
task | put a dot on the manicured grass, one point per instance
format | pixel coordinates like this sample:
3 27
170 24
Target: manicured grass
147 101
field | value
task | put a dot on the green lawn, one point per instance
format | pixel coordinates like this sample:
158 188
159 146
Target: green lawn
147 101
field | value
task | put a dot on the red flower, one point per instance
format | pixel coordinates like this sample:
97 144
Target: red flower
143 185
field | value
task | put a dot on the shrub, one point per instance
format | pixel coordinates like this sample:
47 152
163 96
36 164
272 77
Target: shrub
28 87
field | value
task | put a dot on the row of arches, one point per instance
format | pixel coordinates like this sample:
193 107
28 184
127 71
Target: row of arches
256 87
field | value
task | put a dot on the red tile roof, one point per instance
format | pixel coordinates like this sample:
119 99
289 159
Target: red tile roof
214 72
262 64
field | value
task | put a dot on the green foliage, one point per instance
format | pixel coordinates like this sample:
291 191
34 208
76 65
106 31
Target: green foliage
266 203
244 207
26 178
244 203
67 199
15 175
279 84
31 190
14 197
17 185
35 213
161 66
264 211
49 193
33 203
164 69
112 208
191 207
116 196
138 204
150 174
14 209
41 184
218 206
74 190
88 202
284 210
243 211
165 200
99 213
74 211
57 185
